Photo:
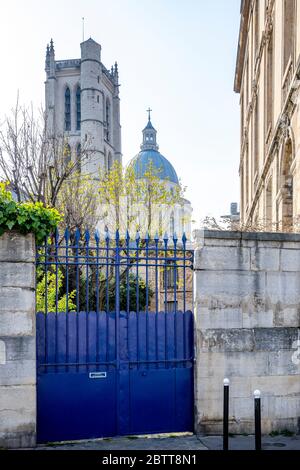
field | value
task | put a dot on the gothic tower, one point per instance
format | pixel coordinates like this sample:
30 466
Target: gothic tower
83 105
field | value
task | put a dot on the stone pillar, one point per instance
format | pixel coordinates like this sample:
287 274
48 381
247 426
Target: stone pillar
17 341
247 304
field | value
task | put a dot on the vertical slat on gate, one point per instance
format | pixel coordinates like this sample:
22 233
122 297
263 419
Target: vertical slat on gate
142 345
170 338
152 350
102 339
161 337
40 340
92 338
61 339
82 347
72 316
179 335
132 339
50 339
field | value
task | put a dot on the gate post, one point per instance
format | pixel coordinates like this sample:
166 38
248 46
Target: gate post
17 341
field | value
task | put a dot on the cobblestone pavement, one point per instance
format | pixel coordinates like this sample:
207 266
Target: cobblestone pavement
175 442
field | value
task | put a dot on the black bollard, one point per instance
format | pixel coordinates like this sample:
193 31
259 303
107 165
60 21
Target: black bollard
257 413
225 413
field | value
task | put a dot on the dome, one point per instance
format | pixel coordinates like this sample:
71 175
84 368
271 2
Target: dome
149 154
164 168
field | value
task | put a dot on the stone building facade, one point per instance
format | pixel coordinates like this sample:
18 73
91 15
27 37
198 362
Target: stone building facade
267 79
83 105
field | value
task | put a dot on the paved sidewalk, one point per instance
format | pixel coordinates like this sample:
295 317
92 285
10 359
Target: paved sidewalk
173 442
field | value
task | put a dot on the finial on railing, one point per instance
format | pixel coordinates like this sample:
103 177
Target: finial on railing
67 235
87 236
77 236
97 237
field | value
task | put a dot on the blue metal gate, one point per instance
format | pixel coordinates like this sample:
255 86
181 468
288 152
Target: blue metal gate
114 337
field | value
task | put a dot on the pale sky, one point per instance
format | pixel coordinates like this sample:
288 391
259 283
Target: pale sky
176 56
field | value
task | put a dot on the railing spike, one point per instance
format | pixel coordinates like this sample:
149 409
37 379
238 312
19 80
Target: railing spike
184 238
137 237
127 236
67 235
87 236
97 237
117 236
77 236
156 237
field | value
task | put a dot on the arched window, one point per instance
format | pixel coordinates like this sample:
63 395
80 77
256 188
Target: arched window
107 120
109 161
67 109
287 187
288 32
78 155
67 154
78 108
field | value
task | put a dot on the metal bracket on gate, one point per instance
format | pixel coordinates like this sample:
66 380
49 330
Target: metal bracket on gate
97 375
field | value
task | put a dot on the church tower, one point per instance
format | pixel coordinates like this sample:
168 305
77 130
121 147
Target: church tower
83 105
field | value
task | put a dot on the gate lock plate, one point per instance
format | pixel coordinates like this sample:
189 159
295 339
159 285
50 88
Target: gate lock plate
97 375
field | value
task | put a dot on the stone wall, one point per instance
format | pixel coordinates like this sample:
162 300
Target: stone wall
247 304
17 341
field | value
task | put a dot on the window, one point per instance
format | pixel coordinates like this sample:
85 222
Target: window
107 119
98 79
67 109
256 136
98 99
288 31
78 108
256 30
78 154
109 161
67 154
269 85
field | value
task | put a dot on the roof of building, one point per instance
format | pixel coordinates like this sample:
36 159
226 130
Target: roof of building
145 158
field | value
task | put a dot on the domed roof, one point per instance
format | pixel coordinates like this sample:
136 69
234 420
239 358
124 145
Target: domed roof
145 158
149 155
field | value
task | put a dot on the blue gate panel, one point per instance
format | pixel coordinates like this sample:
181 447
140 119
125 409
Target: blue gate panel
184 399
152 401
75 406
146 386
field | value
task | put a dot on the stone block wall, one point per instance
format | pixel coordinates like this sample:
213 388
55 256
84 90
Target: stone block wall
247 307
17 341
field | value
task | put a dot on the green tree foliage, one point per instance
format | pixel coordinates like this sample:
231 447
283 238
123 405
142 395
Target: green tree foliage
53 284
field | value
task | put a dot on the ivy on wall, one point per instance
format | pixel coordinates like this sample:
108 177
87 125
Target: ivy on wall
26 217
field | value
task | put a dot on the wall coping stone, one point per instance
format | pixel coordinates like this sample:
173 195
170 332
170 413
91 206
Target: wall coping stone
235 235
